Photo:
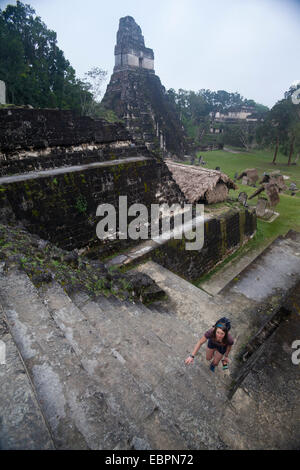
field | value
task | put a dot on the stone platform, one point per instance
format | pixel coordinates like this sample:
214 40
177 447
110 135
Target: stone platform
98 373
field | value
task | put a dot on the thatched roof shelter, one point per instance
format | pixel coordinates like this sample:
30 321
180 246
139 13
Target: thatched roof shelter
201 184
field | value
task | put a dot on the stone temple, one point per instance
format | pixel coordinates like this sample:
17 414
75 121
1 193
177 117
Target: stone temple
137 96
130 50
93 357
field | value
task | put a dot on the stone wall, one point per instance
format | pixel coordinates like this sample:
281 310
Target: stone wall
56 157
139 99
60 204
62 208
223 234
2 92
130 50
40 139
132 60
42 128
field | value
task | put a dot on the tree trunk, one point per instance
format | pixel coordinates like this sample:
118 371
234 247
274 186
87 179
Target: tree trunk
276 150
291 150
201 134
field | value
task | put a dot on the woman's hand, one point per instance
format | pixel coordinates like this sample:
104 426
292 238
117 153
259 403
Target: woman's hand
225 360
189 360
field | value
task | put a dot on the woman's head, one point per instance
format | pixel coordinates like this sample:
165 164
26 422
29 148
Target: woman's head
220 332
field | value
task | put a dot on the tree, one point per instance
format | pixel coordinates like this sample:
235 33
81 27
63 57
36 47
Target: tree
93 84
291 149
197 111
294 139
241 134
33 67
276 150
282 125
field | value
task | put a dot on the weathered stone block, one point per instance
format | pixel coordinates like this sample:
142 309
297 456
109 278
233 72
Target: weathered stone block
222 235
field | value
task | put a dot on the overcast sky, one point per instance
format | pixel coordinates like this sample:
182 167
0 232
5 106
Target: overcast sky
248 46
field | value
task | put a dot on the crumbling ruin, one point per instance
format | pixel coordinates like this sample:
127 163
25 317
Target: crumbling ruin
249 176
273 184
274 177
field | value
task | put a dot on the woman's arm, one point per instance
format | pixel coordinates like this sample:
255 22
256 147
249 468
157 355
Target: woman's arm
201 341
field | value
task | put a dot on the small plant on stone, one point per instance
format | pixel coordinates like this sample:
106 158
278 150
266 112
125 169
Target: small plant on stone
81 204
113 269
126 284
101 284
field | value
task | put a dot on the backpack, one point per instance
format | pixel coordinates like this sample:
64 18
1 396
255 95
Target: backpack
225 321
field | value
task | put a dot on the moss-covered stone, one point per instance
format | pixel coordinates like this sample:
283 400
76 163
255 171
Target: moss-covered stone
43 261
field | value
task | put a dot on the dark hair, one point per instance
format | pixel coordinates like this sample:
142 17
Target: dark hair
223 327
226 322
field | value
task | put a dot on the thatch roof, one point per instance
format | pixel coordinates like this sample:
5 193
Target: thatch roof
201 184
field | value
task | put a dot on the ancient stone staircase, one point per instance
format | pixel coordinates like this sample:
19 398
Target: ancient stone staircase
106 374
195 307
98 373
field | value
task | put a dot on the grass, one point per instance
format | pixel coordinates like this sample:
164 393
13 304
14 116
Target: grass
230 163
288 207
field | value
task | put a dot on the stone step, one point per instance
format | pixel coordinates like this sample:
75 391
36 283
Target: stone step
56 157
177 335
231 270
188 341
68 169
22 424
97 349
129 319
166 326
79 415
153 361
197 379
190 304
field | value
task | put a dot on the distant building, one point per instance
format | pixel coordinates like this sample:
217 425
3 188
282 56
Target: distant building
244 113
216 130
2 92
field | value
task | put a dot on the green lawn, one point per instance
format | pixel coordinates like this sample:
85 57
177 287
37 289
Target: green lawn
288 207
230 163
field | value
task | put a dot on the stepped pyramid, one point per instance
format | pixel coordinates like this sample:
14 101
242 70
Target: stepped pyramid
81 383
137 96
86 372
